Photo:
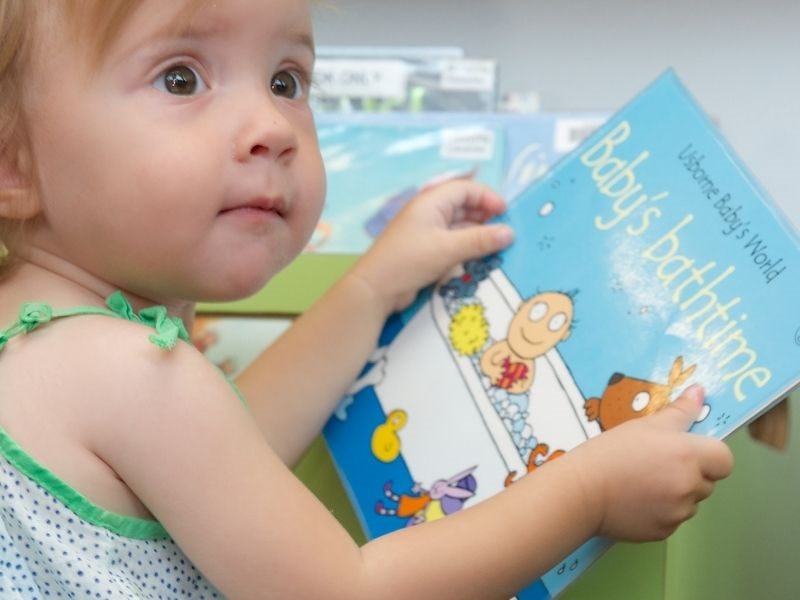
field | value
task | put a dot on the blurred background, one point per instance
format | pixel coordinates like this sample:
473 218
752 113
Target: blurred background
740 58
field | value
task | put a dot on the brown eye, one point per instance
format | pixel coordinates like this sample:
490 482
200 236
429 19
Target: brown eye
180 80
287 85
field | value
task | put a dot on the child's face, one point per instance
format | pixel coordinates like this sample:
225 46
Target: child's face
186 164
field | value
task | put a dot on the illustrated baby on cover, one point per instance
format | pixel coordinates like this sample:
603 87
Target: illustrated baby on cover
542 321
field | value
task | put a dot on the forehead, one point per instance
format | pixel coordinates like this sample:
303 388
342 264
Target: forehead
206 17
552 299
97 24
94 24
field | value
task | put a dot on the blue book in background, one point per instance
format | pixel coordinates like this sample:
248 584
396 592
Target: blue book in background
646 260
374 168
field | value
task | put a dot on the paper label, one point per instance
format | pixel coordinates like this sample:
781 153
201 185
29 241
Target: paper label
468 75
467 143
569 133
385 79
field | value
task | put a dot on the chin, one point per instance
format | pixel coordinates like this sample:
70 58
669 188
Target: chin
240 285
233 292
241 276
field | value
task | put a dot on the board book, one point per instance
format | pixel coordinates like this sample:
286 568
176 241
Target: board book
646 260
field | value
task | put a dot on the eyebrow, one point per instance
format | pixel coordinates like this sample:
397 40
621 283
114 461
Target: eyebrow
303 38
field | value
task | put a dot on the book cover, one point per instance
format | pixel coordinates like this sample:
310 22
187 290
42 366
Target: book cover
646 260
533 141
374 168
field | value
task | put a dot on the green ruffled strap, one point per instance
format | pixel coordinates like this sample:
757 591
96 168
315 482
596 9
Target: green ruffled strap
167 329
31 315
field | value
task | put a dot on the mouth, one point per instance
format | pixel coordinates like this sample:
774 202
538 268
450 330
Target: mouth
276 206
527 339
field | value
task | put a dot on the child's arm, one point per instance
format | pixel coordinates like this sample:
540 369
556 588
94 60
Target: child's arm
178 437
294 385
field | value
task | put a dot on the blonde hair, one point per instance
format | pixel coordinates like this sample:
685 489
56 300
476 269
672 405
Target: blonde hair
98 21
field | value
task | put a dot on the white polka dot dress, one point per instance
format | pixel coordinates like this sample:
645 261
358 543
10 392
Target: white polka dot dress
48 551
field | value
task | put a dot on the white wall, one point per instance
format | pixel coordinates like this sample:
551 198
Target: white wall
741 59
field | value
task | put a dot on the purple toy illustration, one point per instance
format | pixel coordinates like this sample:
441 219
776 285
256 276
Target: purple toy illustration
445 497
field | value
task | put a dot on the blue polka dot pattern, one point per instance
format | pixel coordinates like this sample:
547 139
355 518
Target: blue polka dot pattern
47 551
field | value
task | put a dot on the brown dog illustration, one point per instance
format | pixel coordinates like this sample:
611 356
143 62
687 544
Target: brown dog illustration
627 398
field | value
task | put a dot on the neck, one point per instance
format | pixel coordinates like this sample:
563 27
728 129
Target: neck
50 278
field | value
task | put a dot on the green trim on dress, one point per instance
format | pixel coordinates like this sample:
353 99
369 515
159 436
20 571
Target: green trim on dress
124 525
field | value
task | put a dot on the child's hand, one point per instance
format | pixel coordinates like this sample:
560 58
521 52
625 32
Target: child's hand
645 477
441 227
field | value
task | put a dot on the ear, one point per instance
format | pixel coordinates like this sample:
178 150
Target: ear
18 197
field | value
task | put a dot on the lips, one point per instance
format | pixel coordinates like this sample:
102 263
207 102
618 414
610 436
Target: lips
275 205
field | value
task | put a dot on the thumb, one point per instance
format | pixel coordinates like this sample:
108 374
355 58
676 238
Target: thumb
682 412
480 240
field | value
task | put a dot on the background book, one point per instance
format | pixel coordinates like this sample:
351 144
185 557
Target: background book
691 269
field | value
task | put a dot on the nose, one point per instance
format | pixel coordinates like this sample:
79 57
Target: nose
266 133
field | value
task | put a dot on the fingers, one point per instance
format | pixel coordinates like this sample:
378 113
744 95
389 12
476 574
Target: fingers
479 240
682 413
467 201
716 463
716 458
704 489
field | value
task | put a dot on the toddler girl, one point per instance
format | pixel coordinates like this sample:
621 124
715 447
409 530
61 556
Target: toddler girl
154 154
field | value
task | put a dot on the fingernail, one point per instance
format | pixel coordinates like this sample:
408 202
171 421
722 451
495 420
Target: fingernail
696 390
504 235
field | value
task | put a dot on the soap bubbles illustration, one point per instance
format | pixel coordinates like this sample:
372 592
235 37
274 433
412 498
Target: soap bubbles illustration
546 209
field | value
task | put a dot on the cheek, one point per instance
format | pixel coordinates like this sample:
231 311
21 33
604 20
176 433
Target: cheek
534 330
313 187
172 180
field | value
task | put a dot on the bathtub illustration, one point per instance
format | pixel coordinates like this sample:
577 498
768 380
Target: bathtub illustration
549 413
457 417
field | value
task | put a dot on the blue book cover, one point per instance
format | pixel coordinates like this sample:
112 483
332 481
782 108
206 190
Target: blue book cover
533 142
373 169
646 260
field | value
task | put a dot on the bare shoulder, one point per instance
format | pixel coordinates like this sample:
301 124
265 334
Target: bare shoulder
97 372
